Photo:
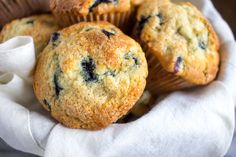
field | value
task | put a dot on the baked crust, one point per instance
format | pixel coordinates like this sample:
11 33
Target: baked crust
90 75
181 38
40 27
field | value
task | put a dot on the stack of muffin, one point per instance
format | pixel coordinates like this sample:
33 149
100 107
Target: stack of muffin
89 73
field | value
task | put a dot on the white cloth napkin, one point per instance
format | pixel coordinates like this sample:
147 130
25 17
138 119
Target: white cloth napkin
192 123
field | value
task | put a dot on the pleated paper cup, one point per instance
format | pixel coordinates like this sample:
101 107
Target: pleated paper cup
119 19
161 81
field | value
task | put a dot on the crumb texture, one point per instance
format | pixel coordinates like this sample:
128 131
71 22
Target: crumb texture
181 38
40 27
91 74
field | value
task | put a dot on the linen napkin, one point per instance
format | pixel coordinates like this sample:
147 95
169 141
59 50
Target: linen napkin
194 123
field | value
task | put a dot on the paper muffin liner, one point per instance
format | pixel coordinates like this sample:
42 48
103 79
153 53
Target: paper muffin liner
159 80
12 9
121 20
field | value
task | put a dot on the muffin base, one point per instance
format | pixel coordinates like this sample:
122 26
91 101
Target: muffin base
160 81
120 20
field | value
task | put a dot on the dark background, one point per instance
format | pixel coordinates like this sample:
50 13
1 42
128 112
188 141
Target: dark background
227 8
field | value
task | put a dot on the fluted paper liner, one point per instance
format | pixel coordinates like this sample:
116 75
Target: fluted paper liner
121 20
161 81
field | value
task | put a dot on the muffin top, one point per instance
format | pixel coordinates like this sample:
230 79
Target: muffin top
181 38
84 7
90 75
40 27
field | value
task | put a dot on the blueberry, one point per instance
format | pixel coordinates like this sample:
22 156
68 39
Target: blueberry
143 21
97 2
55 36
136 61
129 56
108 34
30 22
88 70
57 85
45 102
178 64
161 18
202 45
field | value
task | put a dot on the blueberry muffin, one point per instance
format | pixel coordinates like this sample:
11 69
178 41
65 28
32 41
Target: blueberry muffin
40 27
180 45
12 9
90 75
117 12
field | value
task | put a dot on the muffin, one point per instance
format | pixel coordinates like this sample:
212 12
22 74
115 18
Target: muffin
40 27
73 11
180 45
90 75
12 9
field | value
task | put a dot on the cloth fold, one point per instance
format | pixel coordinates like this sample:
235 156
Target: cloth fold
17 56
15 129
196 123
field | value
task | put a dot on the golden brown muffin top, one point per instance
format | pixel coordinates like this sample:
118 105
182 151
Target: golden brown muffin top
181 38
90 75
